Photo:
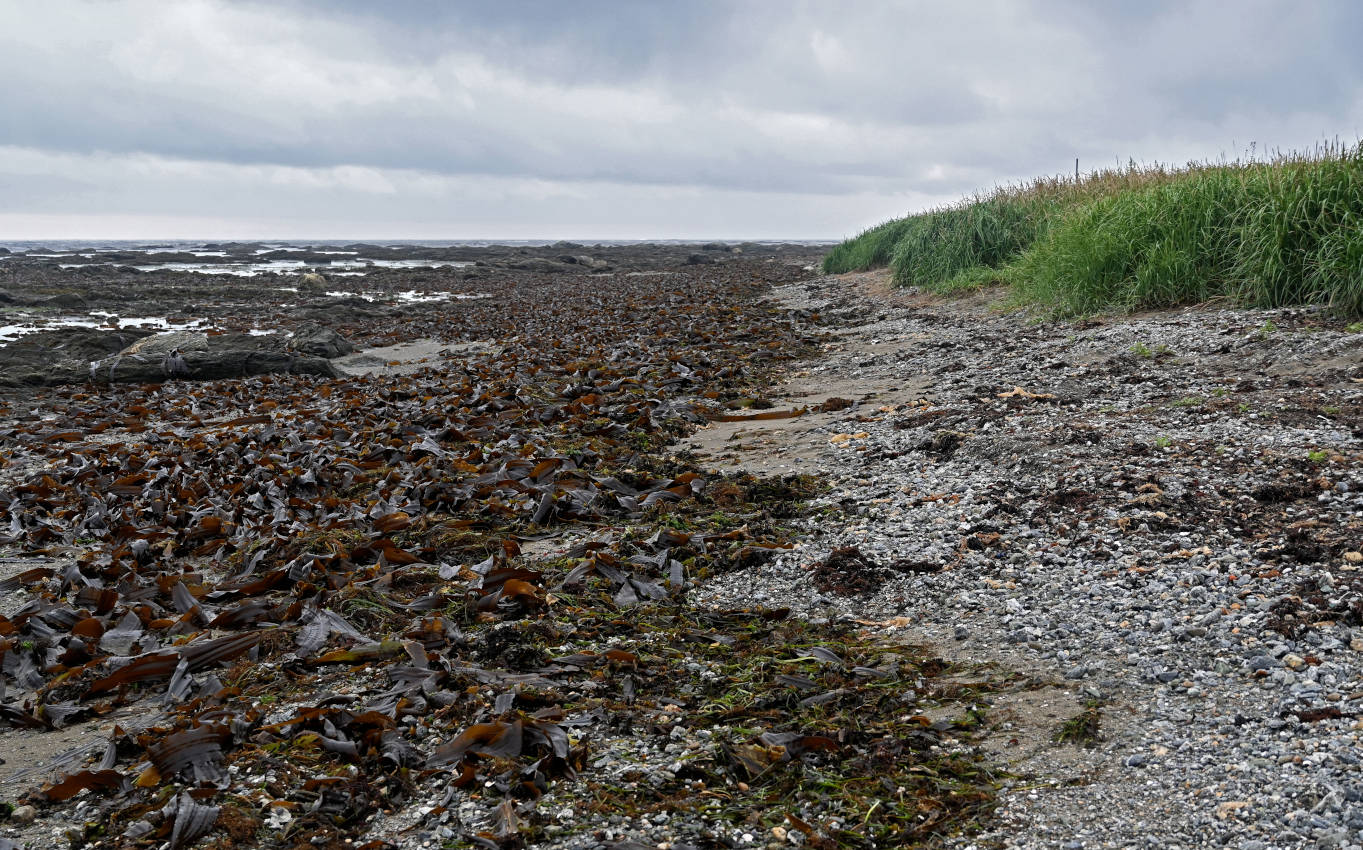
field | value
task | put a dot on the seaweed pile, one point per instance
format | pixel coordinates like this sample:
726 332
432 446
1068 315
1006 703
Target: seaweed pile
319 605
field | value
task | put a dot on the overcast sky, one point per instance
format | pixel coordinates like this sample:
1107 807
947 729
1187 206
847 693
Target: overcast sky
629 119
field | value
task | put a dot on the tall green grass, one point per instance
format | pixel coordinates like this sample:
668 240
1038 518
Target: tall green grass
1166 244
985 230
871 249
1302 239
1287 231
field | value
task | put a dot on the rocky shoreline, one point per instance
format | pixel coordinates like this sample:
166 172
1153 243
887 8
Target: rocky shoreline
1103 577
63 322
1155 519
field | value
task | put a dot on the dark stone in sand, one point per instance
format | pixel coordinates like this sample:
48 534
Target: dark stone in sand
699 259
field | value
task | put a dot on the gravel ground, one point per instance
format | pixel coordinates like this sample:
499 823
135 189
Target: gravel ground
1160 513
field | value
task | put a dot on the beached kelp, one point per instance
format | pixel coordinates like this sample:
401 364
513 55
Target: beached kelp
330 598
812 728
1264 234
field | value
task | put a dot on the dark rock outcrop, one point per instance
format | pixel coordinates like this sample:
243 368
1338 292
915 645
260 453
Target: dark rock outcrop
318 341
205 366
77 355
183 341
39 350
63 301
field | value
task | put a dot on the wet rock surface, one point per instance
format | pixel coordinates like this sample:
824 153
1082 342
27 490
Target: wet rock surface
61 312
1159 514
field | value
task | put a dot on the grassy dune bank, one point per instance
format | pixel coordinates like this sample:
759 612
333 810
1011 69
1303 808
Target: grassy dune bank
1288 231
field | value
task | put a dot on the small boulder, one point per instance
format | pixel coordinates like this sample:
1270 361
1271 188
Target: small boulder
536 264
161 344
319 341
64 300
699 260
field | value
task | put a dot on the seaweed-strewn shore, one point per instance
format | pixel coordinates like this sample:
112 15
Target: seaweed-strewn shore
443 599
704 555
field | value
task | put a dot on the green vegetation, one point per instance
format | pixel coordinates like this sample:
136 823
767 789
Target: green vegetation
1083 729
1265 234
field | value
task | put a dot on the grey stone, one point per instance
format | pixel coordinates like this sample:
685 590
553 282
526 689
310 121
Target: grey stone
160 344
319 341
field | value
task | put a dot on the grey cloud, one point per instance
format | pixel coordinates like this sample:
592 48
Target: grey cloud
902 102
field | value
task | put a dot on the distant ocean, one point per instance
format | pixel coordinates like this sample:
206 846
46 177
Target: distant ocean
87 245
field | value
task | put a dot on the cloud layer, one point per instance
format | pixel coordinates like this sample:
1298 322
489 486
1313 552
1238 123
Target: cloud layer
705 119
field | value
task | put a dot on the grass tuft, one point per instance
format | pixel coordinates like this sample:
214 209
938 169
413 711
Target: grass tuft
1084 729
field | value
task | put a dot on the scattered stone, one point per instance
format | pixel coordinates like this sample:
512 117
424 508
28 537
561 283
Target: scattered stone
1220 640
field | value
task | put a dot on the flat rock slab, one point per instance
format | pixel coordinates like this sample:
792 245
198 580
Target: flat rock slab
184 341
404 358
